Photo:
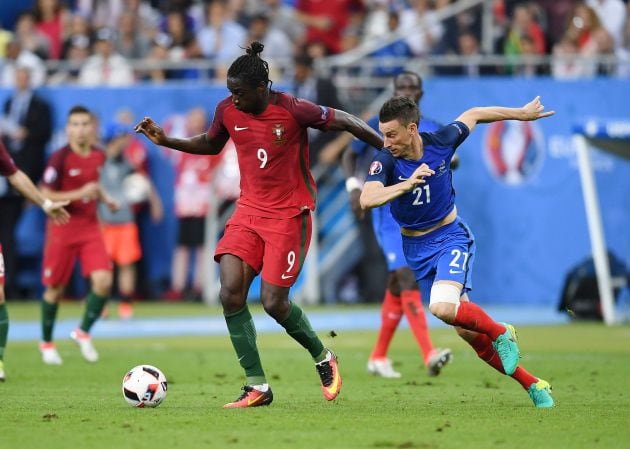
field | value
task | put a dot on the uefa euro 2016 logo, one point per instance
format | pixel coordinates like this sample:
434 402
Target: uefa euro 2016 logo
513 151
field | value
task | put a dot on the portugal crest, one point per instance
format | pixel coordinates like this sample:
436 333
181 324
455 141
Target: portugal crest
278 134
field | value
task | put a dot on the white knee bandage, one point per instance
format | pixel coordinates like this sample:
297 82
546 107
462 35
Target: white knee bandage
445 293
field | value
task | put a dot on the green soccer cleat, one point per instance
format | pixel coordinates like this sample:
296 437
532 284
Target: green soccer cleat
540 392
507 348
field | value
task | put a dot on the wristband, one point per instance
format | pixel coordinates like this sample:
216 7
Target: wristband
46 205
352 183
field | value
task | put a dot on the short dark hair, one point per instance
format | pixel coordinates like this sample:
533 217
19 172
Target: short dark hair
403 109
304 59
408 73
250 68
79 109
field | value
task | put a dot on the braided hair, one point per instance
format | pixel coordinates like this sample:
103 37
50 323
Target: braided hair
251 68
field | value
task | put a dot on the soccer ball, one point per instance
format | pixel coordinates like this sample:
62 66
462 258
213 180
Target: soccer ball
136 188
144 386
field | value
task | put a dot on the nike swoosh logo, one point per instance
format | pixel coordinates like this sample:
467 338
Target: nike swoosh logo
238 128
253 401
284 276
455 271
402 179
74 171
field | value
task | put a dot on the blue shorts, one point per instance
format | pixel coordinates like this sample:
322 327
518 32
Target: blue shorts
388 236
446 254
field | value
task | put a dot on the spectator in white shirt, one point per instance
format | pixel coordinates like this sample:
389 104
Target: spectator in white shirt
16 56
106 67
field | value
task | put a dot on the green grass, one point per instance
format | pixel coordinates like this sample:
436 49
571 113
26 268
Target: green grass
79 405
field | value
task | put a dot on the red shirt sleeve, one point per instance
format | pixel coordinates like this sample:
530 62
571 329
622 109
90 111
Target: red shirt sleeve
307 113
7 166
217 129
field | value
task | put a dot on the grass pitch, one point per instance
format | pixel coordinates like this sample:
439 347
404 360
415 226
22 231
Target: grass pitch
79 405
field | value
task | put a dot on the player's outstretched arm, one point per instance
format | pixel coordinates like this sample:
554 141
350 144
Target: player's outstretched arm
54 209
533 110
200 144
357 127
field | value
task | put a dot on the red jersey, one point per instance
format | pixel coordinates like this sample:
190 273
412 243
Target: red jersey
7 166
272 150
67 170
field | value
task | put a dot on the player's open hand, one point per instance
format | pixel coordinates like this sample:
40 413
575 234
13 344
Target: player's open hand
152 130
417 177
55 210
535 110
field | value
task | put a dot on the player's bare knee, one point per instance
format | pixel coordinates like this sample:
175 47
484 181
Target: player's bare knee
406 279
276 305
231 299
443 310
102 282
53 294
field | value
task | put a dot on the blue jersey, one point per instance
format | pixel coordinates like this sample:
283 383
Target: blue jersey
427 204
386 229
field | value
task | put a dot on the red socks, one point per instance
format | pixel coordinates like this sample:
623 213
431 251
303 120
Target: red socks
391 313
472 317
414 312
484 349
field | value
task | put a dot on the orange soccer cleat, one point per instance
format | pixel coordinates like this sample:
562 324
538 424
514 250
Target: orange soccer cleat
252 397
328 371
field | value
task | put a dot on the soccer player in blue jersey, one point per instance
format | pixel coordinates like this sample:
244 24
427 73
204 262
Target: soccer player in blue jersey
402 295
413 174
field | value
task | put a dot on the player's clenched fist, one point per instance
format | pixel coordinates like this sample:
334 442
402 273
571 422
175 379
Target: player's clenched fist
152 130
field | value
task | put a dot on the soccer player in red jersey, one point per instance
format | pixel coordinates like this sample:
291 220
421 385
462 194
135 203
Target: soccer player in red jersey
56 212
271 229
72 174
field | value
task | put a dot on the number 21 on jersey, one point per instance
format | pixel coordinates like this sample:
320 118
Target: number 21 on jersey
422 195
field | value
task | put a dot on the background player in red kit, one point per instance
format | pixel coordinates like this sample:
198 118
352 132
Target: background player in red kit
271 229
72 174
54 210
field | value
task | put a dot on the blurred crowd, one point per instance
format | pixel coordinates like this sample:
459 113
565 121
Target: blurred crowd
120 42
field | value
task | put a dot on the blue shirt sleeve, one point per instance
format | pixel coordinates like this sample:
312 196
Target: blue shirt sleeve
451 135
382 168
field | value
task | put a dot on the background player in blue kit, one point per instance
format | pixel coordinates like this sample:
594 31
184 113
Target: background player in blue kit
414 176
402 295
